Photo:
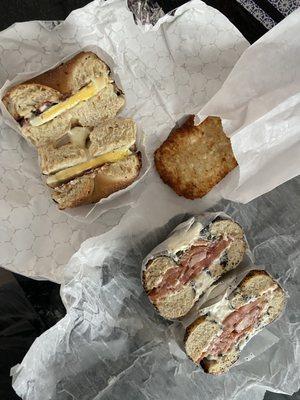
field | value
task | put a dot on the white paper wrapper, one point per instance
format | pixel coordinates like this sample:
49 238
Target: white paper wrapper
165 73
112 344
259 104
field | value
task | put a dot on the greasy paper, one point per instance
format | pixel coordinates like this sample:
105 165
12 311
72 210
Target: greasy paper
165 74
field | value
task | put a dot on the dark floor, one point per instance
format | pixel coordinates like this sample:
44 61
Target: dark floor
27 307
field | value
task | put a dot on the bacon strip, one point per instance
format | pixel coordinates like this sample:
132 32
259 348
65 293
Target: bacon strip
199 257
237 325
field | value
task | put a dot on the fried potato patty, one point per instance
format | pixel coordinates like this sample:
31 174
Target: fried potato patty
193 159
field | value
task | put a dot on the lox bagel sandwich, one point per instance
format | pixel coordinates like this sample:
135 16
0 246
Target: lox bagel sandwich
216 339
194 259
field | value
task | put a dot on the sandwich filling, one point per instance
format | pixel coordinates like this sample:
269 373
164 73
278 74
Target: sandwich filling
201 255
49 111
239 325
77 170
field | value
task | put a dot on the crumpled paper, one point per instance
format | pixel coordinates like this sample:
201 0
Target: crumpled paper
112 344
259 104
146 14
165 73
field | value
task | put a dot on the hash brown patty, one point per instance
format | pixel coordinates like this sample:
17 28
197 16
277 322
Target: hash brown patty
193 159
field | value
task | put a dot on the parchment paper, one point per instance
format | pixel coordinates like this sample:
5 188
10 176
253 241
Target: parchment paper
112 344
259 104
165 73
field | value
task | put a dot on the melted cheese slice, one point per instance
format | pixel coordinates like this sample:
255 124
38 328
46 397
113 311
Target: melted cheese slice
83 94
77 170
